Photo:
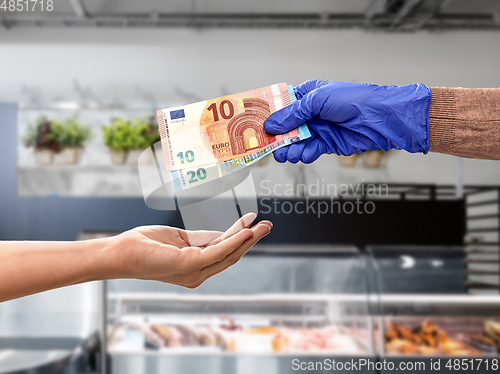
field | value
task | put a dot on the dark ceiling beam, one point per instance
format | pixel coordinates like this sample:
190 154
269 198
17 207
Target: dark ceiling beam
296 21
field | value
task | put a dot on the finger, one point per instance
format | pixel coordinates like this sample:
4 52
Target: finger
242 223
245 220
265 222
259 231
280 154
302 89
216 253
313 151
295 151
292 116
220 238
200 238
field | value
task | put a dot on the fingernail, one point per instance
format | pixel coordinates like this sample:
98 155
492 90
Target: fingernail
248 218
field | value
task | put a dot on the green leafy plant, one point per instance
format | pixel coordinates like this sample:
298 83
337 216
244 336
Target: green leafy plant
118 135
70 133
144 133
122 135
41 136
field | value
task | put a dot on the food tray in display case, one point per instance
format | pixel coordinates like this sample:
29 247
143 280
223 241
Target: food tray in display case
421 306
278 304
440 325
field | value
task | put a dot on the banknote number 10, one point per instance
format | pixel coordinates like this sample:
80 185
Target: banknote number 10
224 105
188 156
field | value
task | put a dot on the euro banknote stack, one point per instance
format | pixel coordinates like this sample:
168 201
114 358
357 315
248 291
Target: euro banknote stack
210 139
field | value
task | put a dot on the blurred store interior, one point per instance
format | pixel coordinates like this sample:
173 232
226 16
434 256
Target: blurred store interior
335 284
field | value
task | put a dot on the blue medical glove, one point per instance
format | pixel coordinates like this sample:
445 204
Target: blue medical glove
346 118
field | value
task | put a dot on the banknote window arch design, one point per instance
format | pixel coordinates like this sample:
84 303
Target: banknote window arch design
246 130
250 139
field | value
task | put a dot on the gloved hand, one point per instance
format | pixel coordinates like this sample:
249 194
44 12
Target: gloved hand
346 118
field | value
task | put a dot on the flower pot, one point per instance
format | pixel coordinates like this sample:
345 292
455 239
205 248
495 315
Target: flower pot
146 157
349 161
118 158
135 158
373 159
68 156
44 157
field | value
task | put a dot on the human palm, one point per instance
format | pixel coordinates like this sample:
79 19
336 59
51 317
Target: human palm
187 258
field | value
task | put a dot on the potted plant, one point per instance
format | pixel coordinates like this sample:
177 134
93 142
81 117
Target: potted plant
374 159
144 135
119 139
72 136
41 138
349 161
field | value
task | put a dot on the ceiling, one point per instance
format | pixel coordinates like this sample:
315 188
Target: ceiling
390 15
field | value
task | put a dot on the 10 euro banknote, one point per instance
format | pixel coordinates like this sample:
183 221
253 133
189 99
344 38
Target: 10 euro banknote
209 139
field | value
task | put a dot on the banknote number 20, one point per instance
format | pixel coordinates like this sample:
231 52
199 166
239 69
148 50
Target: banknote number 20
201 173
224 105
188 156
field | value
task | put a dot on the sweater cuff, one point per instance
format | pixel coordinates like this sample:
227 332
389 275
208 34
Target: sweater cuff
442 119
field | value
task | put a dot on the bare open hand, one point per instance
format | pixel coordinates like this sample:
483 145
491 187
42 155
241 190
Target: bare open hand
185 258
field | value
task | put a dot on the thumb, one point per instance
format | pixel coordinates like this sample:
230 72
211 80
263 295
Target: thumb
292 116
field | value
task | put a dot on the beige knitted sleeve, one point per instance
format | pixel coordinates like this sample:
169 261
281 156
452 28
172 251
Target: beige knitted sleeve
465 122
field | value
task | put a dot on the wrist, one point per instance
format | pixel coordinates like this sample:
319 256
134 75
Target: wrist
106 264
411 108
120 254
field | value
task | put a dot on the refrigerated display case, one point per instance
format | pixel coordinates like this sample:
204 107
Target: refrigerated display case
306 302
421 305
281 303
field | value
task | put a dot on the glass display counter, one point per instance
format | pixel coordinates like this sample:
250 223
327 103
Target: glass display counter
421 305
306 303
279 304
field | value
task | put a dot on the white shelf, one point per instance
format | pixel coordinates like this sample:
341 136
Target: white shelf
188 351
268 298
298 298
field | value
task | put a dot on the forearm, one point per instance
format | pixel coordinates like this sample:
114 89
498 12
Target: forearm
465 122
162 253
30 267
